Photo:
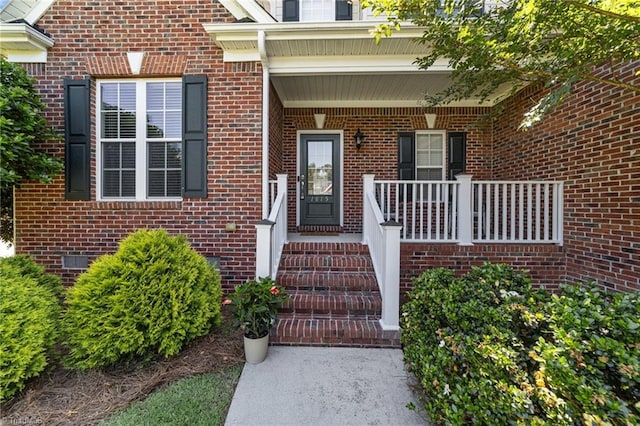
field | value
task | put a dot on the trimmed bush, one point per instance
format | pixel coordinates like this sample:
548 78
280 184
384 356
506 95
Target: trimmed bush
487 349
29 310
154 295
22 266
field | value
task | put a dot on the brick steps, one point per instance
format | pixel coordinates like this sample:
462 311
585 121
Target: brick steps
334 297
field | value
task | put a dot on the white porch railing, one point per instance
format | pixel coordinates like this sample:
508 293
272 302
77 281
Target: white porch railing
272 232
467 212
273 192
383 240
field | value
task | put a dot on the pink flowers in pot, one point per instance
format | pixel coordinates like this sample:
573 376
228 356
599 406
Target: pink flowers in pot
255 305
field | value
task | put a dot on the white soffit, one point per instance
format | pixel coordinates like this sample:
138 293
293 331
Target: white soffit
338 64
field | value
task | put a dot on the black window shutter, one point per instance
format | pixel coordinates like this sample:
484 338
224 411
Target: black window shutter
77 139
406 156
194 136
406 160
344 10
290 10
457 153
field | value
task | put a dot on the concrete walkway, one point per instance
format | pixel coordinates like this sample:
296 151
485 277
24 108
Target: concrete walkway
324 386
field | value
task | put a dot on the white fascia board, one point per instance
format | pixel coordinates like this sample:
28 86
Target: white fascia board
350 65
27 56
241 9
234 8
256 12
241 56
307 31
41 7
382 103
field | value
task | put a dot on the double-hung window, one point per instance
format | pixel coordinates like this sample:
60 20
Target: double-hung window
139 139
430 154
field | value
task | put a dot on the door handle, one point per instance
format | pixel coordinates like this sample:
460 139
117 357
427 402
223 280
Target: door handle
302 183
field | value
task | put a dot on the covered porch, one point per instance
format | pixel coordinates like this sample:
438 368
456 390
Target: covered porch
463 212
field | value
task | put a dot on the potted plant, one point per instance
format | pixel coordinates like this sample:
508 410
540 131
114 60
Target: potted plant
255 305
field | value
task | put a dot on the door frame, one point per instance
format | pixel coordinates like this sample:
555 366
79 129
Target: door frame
340 134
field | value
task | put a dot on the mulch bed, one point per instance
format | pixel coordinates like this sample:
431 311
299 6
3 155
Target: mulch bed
65 397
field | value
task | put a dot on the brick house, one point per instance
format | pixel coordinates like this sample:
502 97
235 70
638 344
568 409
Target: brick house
261 137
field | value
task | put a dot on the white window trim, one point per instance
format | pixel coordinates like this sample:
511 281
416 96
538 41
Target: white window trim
443 167
141 147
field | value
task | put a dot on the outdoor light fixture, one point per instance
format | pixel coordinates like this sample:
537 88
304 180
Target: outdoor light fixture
359 137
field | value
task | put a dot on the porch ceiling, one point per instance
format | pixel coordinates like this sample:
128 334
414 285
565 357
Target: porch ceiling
336 64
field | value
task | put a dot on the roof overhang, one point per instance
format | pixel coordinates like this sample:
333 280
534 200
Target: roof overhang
20 42
329 64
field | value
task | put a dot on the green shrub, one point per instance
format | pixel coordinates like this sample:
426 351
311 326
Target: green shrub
487 349
460 340
21 266
29 311
154 295
589 361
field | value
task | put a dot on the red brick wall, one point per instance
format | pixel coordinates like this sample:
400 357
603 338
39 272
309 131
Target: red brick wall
592 143
379 153
276 116
91 39
545 263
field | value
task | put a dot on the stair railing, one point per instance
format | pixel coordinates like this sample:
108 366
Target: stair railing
383 240
271 233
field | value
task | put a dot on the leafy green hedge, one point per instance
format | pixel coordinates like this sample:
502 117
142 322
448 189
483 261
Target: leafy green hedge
29 311
154 295
487 349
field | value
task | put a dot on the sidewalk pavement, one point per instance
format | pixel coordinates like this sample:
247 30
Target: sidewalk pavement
324 386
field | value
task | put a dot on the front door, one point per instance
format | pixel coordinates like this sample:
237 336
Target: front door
319 179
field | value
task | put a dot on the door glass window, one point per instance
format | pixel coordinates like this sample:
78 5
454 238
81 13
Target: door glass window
319 168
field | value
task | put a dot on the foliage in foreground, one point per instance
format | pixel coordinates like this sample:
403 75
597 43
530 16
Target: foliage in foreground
29 311
154 295
199 400
22 126
550 43
487 349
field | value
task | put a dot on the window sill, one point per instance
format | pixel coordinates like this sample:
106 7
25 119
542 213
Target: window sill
173 204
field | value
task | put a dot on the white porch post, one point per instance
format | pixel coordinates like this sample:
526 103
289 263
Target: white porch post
465 210
282 189
367 186
391 287
263 248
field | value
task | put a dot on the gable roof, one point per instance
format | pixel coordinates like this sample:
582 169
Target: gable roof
20 38
29 10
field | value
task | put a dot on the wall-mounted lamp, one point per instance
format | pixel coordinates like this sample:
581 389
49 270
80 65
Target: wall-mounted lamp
359 137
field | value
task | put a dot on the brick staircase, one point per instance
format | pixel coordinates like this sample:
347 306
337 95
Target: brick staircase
334 297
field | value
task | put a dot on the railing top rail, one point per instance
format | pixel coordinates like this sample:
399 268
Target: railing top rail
376 209
416 181
534 182
473 181
279 201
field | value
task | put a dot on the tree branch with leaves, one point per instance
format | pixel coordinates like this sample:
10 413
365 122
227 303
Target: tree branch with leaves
548 43
22 128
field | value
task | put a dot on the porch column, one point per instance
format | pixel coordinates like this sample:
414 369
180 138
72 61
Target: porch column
465 210
282 189
391 287
367 186
263 248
